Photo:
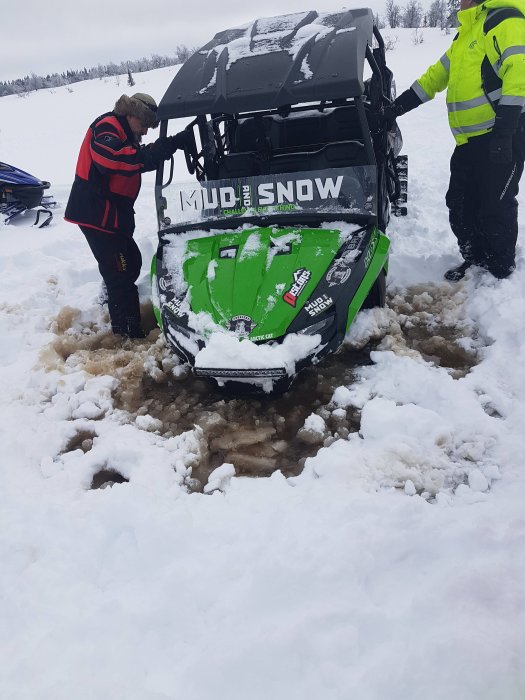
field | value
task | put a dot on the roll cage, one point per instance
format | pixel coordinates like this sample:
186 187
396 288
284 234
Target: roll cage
328 133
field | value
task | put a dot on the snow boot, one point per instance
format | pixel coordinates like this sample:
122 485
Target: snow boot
130 329
457 273
134 329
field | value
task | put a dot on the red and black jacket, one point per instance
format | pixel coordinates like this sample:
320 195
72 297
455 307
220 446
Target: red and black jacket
108 176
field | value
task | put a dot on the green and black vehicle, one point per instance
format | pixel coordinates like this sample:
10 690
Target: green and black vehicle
282 230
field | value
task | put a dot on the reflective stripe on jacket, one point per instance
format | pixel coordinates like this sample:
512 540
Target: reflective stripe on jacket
471 111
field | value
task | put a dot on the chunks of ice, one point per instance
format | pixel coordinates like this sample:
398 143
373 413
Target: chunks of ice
477 480
314 430
220 478
243 438
148 423
89 410
410 489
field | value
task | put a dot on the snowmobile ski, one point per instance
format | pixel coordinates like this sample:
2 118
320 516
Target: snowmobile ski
21 192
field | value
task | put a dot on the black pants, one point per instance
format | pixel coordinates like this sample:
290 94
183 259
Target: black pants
482 202
119 261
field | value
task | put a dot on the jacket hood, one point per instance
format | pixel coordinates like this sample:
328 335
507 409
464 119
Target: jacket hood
494 4
469 17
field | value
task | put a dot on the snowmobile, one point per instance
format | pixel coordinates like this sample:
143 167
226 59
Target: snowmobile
20 191
279 240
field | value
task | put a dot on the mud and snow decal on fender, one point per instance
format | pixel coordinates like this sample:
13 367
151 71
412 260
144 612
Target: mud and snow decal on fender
174 307
316 306
301 278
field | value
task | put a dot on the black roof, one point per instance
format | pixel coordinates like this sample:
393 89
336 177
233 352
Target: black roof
275 61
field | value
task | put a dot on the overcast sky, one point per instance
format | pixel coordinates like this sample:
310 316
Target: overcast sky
46 36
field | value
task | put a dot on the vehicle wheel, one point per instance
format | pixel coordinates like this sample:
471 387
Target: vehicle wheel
377 294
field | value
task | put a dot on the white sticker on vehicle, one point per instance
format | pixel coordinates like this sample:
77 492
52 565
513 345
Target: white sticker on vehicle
317 306
301 278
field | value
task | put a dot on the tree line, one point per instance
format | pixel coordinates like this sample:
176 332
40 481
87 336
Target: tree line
442 14
33 82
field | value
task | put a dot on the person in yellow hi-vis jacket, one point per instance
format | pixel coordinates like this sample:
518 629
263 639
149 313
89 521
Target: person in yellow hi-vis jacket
484 71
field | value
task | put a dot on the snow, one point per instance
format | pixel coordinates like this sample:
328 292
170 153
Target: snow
265 35
391 568
220 478
227 351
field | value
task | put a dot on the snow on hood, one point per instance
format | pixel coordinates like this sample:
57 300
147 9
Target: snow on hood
227 351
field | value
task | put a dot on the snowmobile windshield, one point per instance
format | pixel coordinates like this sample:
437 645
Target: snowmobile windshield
14 176
336 193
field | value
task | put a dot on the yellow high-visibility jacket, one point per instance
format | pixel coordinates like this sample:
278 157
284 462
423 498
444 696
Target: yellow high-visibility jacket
471 108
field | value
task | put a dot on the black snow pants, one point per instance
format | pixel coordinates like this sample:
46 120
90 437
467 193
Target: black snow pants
119 261
483 210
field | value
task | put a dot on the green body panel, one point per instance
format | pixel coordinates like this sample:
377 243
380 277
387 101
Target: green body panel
254 282
378 253
153 275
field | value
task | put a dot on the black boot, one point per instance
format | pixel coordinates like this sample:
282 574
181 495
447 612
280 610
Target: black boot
457 273
131 328
134 329
500 272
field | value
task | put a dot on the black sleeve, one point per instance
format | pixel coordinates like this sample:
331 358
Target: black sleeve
406 102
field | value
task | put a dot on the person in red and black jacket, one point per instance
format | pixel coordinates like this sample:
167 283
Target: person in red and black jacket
107 183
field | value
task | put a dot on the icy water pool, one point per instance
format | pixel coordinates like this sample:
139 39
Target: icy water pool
260 434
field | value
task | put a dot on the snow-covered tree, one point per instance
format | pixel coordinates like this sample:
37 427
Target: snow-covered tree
452 10
34 82
437 14
182 52
392 13
412 14
379 21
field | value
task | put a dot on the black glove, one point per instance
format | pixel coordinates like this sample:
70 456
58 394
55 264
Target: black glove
406 101
179 141
161 149
500 148
390 114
